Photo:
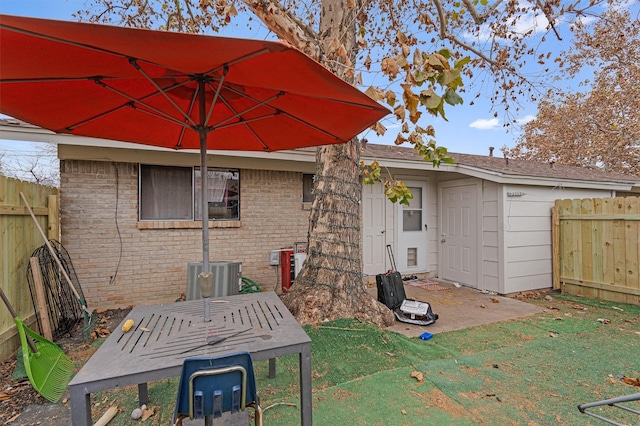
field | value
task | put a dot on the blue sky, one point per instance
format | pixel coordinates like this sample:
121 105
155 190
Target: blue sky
470 129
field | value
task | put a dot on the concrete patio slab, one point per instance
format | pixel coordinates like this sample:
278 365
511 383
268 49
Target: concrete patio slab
459 307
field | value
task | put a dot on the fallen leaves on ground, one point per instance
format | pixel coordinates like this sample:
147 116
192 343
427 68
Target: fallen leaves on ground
633 381
417 375
147 413
527 295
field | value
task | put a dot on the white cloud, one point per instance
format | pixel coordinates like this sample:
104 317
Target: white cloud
587 20
531 21
525 119
483 124
534 20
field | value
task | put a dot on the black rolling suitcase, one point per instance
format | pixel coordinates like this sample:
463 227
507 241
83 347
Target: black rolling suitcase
390 289
391 292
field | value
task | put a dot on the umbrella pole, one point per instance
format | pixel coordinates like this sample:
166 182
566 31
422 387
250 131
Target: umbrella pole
205 278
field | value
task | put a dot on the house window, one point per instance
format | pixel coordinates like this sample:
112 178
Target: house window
223 194
173 193
412 214
307 188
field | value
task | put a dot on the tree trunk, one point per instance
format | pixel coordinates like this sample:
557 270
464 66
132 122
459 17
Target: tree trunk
331 285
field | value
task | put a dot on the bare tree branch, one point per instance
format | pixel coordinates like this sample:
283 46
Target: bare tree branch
545 9
287 26
477 18
444 34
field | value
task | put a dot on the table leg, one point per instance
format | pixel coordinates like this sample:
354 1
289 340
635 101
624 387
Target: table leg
80 407
305 386
143 394
272 368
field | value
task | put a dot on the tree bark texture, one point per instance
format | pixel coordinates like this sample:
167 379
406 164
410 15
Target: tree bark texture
330 285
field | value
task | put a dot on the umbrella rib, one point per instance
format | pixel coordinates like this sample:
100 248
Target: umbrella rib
243 121
276 112
184 124
238 115
42 80
217 93
266 148
306 123
238 60
135 64
162 116
99 81
153 111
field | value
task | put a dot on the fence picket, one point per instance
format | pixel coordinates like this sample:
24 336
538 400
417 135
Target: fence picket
18 239
598 252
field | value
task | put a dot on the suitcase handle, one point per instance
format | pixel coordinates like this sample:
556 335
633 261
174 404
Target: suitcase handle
391 259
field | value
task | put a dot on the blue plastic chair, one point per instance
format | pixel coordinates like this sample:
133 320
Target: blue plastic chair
210 386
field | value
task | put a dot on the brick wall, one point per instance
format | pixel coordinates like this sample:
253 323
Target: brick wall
121 262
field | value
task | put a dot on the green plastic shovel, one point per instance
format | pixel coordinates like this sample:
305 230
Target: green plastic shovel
48 368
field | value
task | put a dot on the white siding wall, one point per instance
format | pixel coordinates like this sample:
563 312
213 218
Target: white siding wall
433 233
490 261
526 229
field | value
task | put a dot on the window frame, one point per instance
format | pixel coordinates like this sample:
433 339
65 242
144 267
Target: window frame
312 196
193 197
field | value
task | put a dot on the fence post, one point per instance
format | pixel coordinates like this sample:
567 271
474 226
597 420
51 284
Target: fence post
53 230
555 245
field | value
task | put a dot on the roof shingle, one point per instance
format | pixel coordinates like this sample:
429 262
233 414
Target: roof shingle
512 167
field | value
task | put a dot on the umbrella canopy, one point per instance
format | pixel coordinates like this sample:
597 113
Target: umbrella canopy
149 87
174 90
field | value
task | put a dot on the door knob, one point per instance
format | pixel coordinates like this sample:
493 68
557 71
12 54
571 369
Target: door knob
382 232
442 240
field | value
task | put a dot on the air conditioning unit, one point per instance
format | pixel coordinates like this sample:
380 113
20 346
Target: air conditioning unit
227 279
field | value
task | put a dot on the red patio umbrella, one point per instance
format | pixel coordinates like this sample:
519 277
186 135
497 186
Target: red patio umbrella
174 90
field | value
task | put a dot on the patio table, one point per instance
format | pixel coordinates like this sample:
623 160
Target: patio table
164 335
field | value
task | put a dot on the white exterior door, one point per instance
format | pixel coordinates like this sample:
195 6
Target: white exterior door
459 237
412 231
374 229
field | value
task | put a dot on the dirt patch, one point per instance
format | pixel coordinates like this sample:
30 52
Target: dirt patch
439 399
20 404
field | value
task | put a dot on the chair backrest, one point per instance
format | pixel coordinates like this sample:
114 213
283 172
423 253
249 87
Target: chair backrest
210 386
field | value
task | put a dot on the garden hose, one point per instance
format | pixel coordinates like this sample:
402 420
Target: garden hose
249 286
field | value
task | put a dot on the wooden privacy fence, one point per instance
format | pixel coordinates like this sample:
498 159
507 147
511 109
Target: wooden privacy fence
596 248
19 237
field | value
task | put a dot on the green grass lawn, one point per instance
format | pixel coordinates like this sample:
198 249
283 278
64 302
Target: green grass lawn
530 371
